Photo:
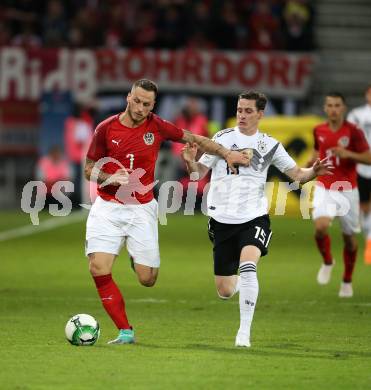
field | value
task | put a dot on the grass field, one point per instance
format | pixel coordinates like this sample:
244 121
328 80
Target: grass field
303 336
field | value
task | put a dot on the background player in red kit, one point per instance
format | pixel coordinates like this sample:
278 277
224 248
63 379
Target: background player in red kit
122 158
337 195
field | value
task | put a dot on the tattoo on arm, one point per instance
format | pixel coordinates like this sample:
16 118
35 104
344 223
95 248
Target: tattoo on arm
93 173
206 144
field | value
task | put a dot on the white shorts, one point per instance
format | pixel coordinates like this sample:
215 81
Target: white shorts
341 204
110 225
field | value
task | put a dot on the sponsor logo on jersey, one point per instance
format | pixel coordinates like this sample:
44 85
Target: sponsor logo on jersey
149 138
234 147
343 141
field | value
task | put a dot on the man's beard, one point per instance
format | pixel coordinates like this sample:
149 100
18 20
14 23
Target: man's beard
135 121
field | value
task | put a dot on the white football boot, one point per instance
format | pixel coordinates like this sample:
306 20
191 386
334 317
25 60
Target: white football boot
324 273
242 340
346 290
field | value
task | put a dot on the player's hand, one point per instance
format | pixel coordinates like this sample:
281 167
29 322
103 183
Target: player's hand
189 152
341 152
119 178
237 158
323 167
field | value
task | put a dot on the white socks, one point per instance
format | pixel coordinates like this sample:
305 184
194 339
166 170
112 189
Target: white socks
366 224
249 289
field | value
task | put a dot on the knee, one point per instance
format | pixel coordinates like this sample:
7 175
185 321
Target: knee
224 293
96 268
321 230
350 245
147 280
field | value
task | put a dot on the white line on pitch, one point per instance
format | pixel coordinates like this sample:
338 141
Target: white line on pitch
46 225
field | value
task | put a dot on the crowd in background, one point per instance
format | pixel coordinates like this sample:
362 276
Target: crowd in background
213 24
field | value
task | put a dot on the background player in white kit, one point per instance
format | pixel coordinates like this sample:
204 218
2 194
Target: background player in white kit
361 116
239 225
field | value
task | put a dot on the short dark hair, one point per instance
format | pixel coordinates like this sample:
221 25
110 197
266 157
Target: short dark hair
146 84
336 94
260 98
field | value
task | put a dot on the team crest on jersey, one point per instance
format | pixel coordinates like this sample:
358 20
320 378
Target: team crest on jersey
343 141
262 147
149 138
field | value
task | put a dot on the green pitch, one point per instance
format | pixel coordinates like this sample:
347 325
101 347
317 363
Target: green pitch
303 337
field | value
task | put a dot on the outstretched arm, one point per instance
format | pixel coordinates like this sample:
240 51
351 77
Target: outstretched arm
189 153
211 147
303 175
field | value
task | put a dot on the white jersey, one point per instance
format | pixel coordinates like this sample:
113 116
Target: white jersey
239 198
361 116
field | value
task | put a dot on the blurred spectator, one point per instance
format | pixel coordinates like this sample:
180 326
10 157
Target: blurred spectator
55 24
297 26
5 34
264 28
171 24
78 130
27 38
146 32
230 32
192 119
86 28
171 27
52 168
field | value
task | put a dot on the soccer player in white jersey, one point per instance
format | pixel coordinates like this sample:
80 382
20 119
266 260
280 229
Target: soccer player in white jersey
239 225
361 116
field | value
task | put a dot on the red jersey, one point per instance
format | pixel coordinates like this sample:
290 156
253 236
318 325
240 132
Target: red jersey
348 136
133 148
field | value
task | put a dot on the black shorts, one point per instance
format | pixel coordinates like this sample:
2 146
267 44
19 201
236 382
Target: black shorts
229 239
364 188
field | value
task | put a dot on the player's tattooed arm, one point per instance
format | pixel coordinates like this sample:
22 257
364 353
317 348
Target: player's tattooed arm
96 174
211 147
189 153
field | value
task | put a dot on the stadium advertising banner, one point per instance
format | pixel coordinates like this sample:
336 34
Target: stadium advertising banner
27 74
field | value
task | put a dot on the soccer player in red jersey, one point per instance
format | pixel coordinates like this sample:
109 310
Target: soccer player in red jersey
337 195
122 158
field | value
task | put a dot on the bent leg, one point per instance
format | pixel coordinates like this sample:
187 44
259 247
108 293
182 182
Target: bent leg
147 276
142 244
100 266
227 286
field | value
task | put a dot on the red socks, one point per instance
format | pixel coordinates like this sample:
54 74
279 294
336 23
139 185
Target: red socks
349 262
324 246
112 300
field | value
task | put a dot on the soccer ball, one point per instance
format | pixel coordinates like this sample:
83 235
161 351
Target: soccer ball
82 329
